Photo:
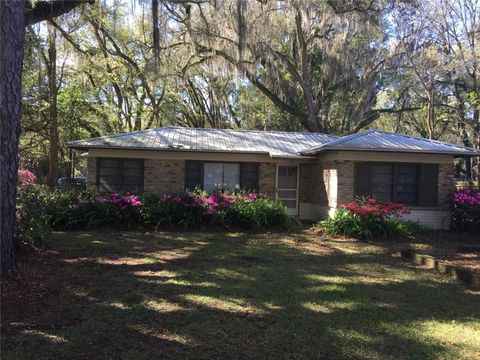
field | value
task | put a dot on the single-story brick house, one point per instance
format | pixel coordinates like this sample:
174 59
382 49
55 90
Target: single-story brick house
311 173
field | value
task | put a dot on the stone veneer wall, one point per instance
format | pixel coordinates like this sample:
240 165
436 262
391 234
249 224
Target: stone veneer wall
162 176
267 178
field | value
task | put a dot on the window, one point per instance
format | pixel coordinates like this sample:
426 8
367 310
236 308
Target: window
413 184
120 175
217 175
382 182
224 176
407 184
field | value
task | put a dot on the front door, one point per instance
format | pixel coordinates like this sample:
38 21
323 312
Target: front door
287 187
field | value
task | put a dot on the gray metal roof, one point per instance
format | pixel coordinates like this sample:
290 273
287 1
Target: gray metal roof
376 140
274 143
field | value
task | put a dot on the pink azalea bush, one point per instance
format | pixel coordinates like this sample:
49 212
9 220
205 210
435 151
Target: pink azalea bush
465 206
121 201
466 197
189 209
197 208
90 210
206 204
32 222
25 177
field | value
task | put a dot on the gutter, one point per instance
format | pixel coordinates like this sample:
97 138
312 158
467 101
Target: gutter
414 151
86 147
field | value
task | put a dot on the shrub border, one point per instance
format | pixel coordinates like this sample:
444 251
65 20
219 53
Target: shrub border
461 274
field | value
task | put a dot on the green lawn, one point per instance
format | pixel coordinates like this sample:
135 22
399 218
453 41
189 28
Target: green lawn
141 295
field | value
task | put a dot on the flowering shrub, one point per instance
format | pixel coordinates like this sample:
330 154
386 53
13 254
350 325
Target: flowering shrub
25 177
32 223
375 208
246 210
369 218
120 201
90 211
465 206
187 210
466 197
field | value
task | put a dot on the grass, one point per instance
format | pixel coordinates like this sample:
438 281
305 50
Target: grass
144 295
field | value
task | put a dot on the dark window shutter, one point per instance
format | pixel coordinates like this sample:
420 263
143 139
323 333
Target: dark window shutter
249 176
193 174
362 180
429 185
120 174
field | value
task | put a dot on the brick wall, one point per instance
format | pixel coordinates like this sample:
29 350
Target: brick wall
330 180
266 179
338 177
346 174
312 186
445 183
91 172
306 177
328 183
161 176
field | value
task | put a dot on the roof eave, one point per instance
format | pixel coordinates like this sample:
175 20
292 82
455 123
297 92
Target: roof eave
87 147
292 157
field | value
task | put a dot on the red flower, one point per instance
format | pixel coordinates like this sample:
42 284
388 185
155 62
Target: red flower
373 207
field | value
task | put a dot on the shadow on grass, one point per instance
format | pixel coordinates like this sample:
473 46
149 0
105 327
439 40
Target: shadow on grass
204 296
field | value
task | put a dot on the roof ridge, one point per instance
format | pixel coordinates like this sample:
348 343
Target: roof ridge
199 128
248 130
340 140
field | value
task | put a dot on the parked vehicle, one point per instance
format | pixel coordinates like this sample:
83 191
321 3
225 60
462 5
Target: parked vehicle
77 183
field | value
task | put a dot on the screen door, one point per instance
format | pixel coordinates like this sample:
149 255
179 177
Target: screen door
287 187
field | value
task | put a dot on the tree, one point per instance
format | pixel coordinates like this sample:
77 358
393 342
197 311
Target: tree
439 70
307 57
14 16
53 97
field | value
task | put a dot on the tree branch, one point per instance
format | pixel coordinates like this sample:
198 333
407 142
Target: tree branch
46 10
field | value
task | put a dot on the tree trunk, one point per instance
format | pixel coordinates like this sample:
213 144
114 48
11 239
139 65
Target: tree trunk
312 110
462 126
52 95
431 115
476 138
11 57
